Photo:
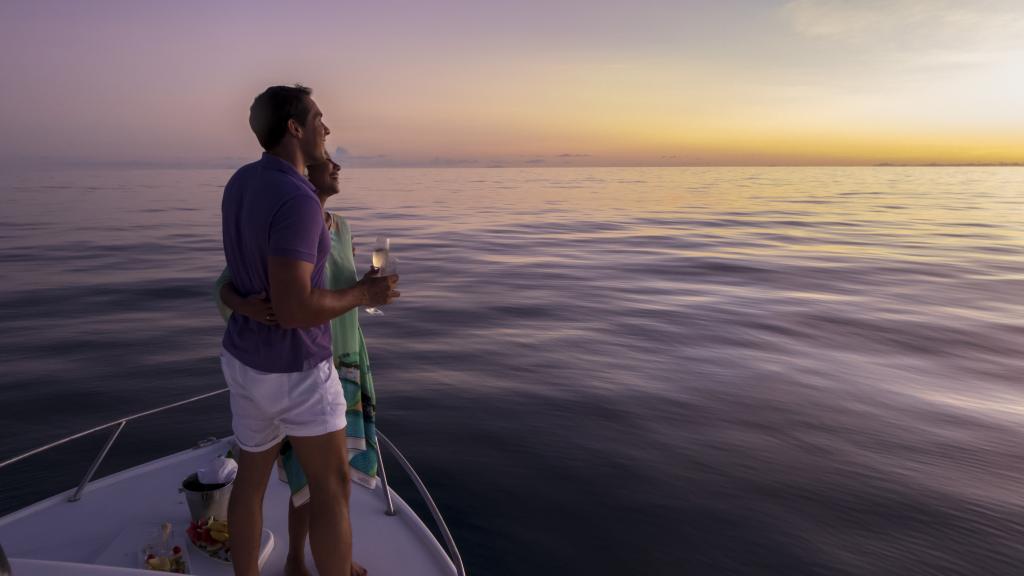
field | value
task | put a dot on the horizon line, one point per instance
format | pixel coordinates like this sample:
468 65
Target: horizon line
362 163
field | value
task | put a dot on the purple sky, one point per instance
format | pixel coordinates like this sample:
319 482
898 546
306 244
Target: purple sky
599 81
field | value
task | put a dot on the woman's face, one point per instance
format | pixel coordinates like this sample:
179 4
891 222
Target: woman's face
324 177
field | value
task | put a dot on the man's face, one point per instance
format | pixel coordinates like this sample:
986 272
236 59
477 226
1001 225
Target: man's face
314 134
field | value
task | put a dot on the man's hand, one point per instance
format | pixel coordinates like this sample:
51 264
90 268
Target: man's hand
379 290
259 309
299 305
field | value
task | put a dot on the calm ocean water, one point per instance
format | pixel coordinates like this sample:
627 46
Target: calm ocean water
713 371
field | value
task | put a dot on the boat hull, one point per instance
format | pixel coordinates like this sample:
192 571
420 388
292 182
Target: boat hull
105 529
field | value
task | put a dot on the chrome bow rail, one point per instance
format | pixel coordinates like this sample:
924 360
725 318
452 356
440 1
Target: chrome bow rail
118 425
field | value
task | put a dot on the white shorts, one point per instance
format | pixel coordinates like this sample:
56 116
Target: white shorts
266 407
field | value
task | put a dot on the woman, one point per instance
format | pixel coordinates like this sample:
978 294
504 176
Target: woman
350 358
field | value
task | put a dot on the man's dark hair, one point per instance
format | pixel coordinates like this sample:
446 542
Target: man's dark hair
271 111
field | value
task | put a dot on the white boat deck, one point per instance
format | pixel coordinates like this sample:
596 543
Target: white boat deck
104 532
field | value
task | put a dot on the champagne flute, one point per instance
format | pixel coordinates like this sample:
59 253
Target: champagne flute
381 253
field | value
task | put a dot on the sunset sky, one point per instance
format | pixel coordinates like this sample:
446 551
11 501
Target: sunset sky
479 83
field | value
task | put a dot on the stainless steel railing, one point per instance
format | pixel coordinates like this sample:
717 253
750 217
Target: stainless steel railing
120 421
453 551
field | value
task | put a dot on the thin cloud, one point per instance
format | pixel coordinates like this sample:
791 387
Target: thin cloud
442 161
909 24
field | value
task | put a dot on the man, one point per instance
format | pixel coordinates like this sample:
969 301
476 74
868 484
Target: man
281 377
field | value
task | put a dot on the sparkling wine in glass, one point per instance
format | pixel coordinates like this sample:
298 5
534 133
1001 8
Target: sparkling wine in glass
381 254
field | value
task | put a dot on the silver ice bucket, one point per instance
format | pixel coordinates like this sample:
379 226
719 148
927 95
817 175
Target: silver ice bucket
205 500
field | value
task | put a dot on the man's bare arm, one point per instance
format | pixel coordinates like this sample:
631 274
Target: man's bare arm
299 305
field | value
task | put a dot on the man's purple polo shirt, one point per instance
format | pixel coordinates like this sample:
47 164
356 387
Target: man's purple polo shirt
269 209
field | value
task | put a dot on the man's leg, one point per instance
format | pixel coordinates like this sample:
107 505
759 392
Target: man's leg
245 508
324 458
298 530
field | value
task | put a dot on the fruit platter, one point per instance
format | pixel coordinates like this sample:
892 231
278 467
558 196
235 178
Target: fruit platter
173 562
210 535
163 554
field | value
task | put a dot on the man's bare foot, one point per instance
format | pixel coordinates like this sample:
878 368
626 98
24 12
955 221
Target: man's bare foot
358 570
296 567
